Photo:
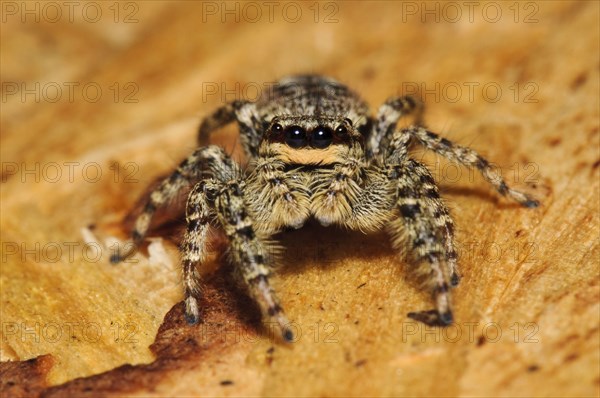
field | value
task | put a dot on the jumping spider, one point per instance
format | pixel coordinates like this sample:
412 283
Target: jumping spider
315 152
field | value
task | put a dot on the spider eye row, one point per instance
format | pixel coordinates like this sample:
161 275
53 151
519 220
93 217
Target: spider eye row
297 137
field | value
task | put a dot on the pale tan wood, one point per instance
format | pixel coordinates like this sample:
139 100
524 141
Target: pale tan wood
531 275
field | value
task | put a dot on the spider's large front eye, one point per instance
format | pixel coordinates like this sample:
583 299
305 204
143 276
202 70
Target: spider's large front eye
321 137
295 136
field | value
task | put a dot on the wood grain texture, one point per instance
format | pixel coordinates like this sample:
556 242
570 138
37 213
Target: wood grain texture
527 309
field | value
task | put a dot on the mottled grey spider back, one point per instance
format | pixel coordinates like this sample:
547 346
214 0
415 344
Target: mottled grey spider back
312 97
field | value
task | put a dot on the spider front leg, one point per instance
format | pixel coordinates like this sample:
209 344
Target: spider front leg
193 246
384 131
224 194
430 230
220 117
249 251
189 170
249 123
385 122
469 158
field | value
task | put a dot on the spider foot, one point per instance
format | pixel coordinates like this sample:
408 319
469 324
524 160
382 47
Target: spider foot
432 317
120 255
192 313
531 203
116 258
454 279
287 335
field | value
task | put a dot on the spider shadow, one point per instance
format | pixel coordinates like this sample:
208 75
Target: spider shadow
327 247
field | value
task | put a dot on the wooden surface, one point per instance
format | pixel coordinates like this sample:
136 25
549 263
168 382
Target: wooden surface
527 309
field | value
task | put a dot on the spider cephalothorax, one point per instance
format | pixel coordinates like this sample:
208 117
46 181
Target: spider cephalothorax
315 152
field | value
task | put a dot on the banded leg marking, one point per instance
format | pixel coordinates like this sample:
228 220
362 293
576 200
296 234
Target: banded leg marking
249 253
193 248
207 160
388 116
430 230
469 158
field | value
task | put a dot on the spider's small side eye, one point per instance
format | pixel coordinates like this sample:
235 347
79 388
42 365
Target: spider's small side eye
295 136
349 121
341 130
321 137
277 128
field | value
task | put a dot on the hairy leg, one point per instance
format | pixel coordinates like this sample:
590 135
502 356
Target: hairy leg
219 118
203 161
385 122
250 252
193 247
249 123
469 158
425 219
